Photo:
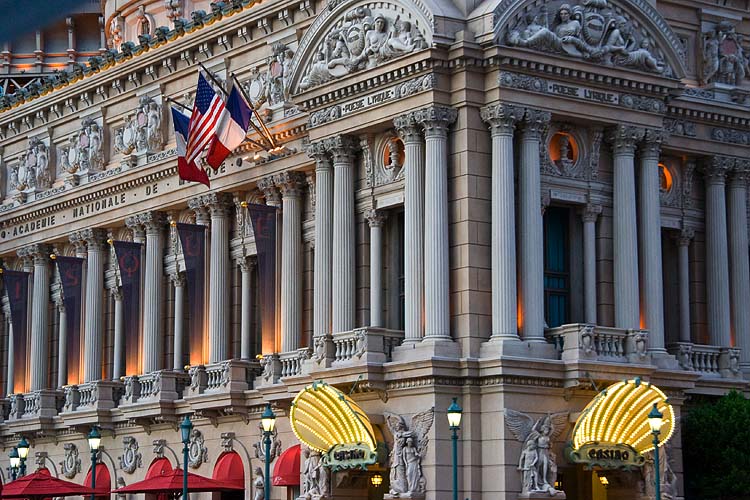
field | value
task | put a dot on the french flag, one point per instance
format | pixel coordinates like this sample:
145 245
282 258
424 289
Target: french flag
231 130
187 170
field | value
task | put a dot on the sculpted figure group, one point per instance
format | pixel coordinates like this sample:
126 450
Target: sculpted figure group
589 30
84 150
32 169
724 59
409 447
363 41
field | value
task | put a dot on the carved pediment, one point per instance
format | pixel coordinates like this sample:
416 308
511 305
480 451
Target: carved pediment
610 33
352 36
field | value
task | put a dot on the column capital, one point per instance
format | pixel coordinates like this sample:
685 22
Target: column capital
343 148
684 236
201 213
78 243
95 238
502 118
407 128
317 150
436 119
116 292
591 212
39 252
652 141
535 122
247 264
134 224
376 218
152 222
290 183
267 185
625 138
217 204
740 173
177 279
716 168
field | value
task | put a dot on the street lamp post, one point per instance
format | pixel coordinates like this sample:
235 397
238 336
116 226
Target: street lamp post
95 440
655 421
268 422
454 420
23 453
15 462
186 428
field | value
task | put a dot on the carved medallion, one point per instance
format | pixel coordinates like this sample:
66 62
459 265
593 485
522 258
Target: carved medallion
131 458
197 451
71 464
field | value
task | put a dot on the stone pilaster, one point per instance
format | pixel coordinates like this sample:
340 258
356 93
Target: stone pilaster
502 120
178 282
649 232
624 140
530 226
411 134
376 220
739 264
247 265
291 185
94 320
717 252
343 150
590 214
683 257
62 344
39 358
153 224
118 364
323 239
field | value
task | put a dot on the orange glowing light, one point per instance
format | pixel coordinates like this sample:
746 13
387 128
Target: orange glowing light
665 178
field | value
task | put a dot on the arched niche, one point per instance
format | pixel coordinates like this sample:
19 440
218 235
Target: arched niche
617 33
350 36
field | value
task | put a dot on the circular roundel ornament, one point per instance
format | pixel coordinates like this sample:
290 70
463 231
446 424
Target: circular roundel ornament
276 69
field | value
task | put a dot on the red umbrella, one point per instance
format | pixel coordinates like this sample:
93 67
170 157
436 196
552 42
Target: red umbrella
171 482
41 485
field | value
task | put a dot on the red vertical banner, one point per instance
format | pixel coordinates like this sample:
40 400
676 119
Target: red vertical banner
71 278
129 262
263 218
17 288
193 241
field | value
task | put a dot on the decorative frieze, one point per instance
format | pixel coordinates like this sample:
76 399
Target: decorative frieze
680 127
731 136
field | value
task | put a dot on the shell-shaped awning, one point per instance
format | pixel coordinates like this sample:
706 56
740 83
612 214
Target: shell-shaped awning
619 415
322 417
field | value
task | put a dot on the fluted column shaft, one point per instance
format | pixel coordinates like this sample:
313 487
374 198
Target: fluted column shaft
119 340
502 121
649 228
39 358
62 345
290 185
11 360
411 134
531 228
739 265
683 258
323 242
590 214
94 331
153 291
625 234
218 311
246 271
344 236
436 120
717 253
376 221
179 322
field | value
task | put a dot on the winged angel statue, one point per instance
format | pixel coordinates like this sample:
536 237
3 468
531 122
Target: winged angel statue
537 461
409 447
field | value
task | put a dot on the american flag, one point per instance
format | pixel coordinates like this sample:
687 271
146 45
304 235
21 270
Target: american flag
207 110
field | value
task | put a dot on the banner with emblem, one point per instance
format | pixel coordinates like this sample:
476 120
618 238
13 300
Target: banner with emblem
17 288
193 241
129 262
263 218
71 279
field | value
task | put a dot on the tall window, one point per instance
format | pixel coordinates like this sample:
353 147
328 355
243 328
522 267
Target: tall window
556 266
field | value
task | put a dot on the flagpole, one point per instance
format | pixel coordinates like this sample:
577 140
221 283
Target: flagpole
265 133
169 99
214 79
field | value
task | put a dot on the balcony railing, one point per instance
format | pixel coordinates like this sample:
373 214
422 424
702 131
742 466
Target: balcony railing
163 385
234 375
45 403
365 345
708 360
583 342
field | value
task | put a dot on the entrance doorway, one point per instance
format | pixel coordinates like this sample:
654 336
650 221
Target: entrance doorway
602 484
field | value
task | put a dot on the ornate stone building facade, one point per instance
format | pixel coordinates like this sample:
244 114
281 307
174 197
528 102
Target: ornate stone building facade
509 202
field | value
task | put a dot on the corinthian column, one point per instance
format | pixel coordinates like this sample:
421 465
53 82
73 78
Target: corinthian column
739 265
530 226
290 184
94 329
410 133
624 140
649 228
590 214
39 358
502 120
178 279
246 343
62 344
376 221
323 240
717 253
153 223
343 148
118 361
218 312
436 120
683 258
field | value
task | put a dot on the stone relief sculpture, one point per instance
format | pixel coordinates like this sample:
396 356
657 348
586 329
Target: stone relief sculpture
724 60
537 462
314 475
85 149
590 30
142 131
668 478
71 464
271 86
409 447
260 449
32 169
363 39
131 458
259 485
197 451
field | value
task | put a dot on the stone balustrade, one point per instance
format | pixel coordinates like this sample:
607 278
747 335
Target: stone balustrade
44 403
98 395
365 345
583 342
234 375
293 361
162 385
708 360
